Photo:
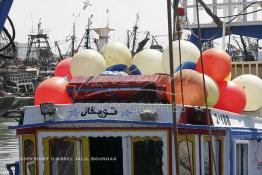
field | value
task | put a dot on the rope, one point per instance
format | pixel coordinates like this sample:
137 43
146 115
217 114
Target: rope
180 61
205 93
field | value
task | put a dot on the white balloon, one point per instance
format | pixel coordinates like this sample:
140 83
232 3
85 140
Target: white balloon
148 61
116 53
252 85
87 63
189 52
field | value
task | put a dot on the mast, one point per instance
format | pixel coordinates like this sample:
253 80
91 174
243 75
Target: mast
89 23
170 45
73 37
59 50
135 32
39 50
128 39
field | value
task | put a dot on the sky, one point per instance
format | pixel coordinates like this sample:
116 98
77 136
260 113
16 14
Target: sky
57 17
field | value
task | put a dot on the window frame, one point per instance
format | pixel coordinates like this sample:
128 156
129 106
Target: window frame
47 153
30 137
221 154
138 139
247 142
126 134
191 138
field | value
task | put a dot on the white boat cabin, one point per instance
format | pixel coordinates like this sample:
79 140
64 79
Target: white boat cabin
136 139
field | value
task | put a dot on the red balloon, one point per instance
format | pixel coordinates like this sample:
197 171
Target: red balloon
193 88
217 64
232 98
63 69
52 90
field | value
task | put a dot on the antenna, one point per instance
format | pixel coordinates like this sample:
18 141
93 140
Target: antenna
107 18
137 19
86 4
39 26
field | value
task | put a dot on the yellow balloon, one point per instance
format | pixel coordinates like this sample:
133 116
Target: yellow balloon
148 61
228 78
87 63
252 85
189 52
116 53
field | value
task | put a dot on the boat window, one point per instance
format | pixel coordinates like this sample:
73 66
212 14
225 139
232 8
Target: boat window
29 157
186 155
147 156
242 159
207 157
106 155
64 156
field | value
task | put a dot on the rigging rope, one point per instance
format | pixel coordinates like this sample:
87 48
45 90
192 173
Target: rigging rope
205 93
178 28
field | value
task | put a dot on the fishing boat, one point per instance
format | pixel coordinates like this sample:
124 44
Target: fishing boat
136 138
124 125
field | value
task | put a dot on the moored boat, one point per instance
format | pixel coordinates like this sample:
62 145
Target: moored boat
136 138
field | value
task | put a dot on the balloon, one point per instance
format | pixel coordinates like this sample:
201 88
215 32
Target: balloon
189 52
252 85
232 98
187 65
116 53
193 88
52 90
228 77
87 63
63 69
217 64
117 67
147 62
213 91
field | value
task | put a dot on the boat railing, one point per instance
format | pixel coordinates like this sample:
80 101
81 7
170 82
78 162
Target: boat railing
246 67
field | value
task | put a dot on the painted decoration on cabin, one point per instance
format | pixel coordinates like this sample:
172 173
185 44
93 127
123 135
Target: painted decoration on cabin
117 56
186 65
217 64
52 90
146 62
252 85
62 69
189 52
87 63
193 88
232 98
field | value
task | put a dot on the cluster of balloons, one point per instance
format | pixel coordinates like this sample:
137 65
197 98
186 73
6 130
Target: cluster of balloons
216 65
113 57
242 93
189 84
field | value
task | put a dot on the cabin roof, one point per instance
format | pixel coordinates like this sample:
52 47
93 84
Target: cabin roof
131 115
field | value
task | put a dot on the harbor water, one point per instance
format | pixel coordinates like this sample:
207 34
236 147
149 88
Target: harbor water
8 145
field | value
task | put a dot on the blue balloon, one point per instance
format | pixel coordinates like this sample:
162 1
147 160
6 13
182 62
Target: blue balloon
117 67
133 69
187 65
